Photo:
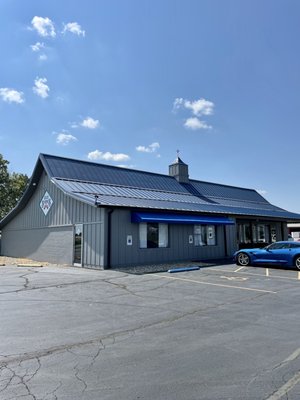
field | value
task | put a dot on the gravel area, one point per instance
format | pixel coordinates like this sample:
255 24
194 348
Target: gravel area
18 261
135 270
153 268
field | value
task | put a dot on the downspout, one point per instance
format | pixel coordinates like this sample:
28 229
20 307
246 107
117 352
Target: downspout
109 213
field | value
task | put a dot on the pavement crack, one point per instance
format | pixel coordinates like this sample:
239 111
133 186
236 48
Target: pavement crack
121 286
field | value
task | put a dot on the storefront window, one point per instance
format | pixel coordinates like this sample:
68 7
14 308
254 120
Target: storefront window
261 233
244 232
248 233
204 235
273 234
153 235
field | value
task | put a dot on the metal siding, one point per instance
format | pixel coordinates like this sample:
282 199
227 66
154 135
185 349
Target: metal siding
65 212
179 249
231 239
93 250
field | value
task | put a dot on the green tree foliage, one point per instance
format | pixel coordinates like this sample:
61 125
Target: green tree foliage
12 186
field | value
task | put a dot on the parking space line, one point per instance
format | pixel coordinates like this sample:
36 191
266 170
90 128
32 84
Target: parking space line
252 273
214 284
237 270
285 388
293 356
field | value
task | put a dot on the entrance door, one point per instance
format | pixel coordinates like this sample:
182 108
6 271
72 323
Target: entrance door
78 244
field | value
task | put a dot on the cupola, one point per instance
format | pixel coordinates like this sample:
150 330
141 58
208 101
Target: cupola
179 170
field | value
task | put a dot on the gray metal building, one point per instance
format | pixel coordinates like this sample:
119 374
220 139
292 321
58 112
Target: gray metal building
100 216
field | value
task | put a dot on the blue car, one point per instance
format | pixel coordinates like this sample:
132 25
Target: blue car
278 253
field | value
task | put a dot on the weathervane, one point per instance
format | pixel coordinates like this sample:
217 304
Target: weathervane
177 151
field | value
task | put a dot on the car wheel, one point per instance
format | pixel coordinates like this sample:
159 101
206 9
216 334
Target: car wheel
244 260
297 262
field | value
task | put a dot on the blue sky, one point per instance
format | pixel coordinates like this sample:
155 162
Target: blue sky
128 82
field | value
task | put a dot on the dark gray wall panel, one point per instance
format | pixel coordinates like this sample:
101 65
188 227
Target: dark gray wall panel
93 250
54 245
179 247
231 239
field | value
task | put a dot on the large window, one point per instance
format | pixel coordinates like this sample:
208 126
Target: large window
153 235
248 233
244 233
204 235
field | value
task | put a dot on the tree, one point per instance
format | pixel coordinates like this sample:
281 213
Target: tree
12 187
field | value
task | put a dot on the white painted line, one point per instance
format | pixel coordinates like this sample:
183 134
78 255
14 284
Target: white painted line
234 278
293 356
237 270
214 284
285 388
252 273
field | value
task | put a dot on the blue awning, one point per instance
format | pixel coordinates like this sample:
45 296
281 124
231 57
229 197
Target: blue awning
180 219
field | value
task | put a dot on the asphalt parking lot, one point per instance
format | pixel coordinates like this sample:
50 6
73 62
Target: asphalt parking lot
219 333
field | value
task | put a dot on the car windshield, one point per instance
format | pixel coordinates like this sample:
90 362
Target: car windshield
276 246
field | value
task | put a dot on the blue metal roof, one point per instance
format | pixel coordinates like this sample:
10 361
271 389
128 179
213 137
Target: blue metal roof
64 168
120 187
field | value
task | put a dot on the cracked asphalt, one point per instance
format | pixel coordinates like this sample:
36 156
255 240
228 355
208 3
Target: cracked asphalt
220 333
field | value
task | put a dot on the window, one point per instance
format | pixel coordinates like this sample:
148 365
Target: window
273 233
78 230
204 235
248 233
261 233
153 235
244 233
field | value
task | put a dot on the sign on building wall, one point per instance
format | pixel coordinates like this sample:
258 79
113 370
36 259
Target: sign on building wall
46 203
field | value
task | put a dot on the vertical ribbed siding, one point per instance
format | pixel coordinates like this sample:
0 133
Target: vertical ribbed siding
93 250
179 247
64 210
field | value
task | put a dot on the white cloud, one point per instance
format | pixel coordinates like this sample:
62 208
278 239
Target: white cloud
195 123
124 165
262 191
11 95
148 149
43 57
73 27
64 138
43 26
41 88
178 102
37 47
90 123
107 156
198 107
